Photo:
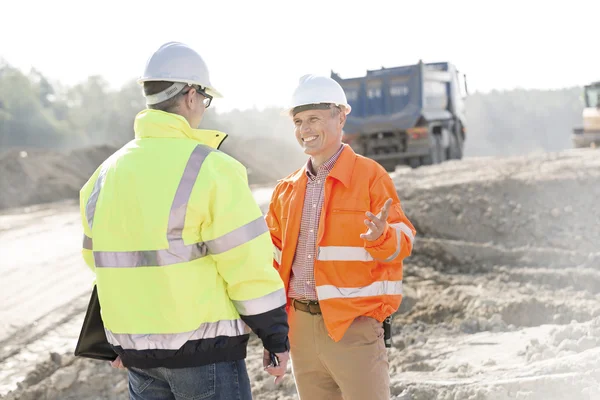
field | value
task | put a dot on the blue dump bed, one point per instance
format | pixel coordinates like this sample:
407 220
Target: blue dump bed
393 99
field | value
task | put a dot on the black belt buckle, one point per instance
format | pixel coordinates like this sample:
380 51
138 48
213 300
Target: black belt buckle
308 304
317 308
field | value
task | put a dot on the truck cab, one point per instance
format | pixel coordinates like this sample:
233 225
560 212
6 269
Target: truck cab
413 115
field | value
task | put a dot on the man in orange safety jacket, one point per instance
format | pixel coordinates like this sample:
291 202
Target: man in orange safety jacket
340 263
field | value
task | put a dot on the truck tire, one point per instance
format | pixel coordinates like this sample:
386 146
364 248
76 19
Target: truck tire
389 165
454 150
436 149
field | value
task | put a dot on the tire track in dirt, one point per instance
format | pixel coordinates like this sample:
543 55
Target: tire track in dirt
41 265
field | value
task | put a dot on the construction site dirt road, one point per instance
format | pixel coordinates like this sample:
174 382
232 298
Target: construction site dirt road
501 294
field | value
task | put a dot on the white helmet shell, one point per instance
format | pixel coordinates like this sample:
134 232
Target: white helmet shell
316 89
177 62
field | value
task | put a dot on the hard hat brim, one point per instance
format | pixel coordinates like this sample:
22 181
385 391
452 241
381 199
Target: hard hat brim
287 111
214 93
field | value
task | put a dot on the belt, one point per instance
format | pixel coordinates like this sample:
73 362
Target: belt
310 306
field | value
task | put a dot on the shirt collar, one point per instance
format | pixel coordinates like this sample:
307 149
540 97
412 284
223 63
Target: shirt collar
327 165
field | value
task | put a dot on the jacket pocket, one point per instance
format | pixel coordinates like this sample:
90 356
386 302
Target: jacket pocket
338 211
347 225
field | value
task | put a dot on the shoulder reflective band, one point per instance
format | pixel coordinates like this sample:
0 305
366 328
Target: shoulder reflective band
178 251
380 288
174 341
237 237
90 207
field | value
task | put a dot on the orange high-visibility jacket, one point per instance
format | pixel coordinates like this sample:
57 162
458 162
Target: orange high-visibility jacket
353 276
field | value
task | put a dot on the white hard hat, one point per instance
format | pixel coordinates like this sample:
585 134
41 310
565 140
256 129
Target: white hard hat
314 92
176 62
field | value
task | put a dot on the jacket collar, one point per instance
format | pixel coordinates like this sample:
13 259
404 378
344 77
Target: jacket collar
342 170
160 124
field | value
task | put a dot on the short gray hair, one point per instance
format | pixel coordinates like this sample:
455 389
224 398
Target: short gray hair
336 110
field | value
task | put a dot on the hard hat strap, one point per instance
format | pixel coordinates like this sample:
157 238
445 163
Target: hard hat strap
166 94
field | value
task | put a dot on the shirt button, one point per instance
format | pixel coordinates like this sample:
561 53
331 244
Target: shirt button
312 230
318 181
314 206
309 256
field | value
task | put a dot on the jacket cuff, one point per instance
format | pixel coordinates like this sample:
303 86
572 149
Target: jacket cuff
277 344
379 241
271 327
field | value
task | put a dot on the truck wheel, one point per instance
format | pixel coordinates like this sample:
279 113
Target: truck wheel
454 150
437 152
425 160
388 165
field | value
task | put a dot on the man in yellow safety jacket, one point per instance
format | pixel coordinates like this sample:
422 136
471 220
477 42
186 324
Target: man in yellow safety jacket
180 249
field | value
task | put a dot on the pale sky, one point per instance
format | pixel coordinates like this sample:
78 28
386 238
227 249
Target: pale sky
257 49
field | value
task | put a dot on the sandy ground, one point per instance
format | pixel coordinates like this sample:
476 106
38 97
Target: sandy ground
41 265
501 293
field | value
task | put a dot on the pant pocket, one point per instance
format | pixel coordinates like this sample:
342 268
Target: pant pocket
138 381
377 328
363 331
196 383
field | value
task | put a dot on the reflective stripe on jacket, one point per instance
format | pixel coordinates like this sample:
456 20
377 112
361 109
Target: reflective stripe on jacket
180 249
353 276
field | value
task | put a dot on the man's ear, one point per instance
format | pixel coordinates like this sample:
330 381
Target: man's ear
342 118
191 99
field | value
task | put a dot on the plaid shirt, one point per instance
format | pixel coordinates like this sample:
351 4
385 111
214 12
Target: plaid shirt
302 281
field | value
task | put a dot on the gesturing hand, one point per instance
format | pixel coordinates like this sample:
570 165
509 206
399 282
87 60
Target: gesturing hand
376 223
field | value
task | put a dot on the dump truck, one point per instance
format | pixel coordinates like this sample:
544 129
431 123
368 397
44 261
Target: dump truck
408 115
589 134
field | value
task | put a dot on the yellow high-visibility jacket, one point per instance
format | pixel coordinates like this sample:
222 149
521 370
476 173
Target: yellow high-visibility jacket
180 249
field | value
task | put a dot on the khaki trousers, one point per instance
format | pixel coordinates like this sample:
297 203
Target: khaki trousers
355 368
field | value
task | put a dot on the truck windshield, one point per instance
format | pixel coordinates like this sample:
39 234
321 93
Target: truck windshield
592 95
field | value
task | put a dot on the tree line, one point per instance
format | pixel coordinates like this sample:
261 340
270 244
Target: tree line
36 112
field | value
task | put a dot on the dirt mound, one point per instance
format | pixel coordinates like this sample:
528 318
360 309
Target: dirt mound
506 262
266 159
546 200
35 176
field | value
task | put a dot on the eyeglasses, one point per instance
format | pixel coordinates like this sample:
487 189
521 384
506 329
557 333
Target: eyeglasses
207 97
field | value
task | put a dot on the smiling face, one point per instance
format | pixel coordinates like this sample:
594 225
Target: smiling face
319 132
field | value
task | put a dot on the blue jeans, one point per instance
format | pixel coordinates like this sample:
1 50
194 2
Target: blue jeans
221 381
